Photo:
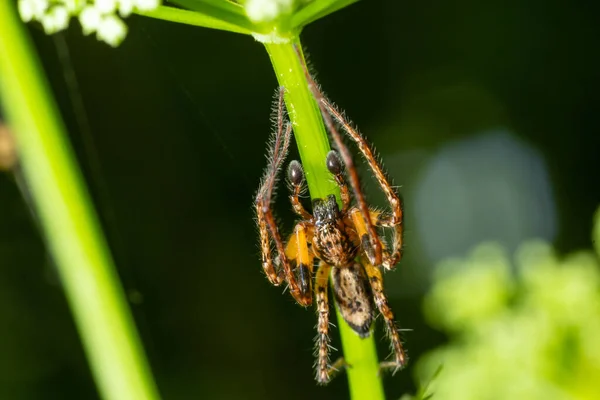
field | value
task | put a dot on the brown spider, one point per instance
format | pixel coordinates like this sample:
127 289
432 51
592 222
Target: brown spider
342 242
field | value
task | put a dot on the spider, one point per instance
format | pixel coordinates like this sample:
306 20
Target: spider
342 244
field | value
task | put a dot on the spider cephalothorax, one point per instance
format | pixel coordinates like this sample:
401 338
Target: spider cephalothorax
341 242
334 241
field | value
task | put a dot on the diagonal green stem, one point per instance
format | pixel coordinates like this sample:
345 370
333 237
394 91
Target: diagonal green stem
232 14
68 221
194 18
313 145
316 10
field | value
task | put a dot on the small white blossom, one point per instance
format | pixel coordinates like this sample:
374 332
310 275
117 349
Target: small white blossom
146 5
111 30
267 10
126 7
55 20
98 16
106 6
89 18
32 9
72 5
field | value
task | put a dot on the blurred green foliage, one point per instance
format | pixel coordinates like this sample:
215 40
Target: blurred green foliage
521 329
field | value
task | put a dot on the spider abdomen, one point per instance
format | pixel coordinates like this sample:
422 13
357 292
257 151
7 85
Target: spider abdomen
353 295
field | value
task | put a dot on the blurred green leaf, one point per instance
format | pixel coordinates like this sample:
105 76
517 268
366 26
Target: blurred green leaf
197 19
317 9
522 330
229 13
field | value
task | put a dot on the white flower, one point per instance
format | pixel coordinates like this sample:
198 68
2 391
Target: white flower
55 20
98 16
32 9
111 30
267 10
106 6
146 5
72 5
126 7
89 18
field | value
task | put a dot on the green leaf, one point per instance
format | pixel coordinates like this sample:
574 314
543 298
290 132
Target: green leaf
423 394
193 18
229 13
317 9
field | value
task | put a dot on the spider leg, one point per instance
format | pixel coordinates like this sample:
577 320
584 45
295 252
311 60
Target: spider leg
300 256
265 246
386 220
393 198
299 292
296 179
347 158
376 280
336 368
362 232
266 220
277 151
322 341
334 166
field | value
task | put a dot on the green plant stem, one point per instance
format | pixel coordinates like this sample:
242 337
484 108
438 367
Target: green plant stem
230 13
193 18
309 131
68 220
313 145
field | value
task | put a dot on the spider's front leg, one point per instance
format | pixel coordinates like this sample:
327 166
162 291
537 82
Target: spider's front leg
301 259
393 220
296 181
275 277
381 301
335 166
267 225
297 247
297 251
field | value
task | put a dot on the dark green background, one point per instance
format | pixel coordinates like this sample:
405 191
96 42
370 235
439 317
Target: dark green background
170 131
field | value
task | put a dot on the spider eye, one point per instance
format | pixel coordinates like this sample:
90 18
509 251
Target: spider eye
334 165
295 173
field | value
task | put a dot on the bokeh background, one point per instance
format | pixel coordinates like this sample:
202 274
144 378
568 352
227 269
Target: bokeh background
485 114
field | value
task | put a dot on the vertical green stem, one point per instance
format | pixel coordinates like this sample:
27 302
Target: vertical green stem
313 145
309 131
68 220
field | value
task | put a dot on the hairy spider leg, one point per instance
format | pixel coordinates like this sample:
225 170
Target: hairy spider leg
378 217
265 246
296 179
297 251
266 220
334 166
300 256
322 339
381 301
375 243
394 221
277 152
361 230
